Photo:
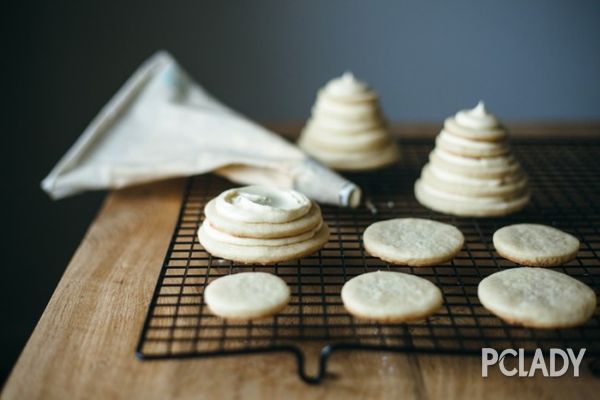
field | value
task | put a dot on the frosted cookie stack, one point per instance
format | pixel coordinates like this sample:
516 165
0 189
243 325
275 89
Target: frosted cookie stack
263 225
347 130
471 171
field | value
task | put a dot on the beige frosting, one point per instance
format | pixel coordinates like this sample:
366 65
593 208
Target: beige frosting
475 124
262 204
262 230
347 86
476 118
346 98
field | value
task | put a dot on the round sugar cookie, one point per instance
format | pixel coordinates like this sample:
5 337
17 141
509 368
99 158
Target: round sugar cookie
263 254
347 126
391 296
263 230
491 167
244 241
537 298
535 245
337 142
356 160
247 295
470 148
465 206
334 108
413 241
506 187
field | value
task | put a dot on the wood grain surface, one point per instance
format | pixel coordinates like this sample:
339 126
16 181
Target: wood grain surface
83 346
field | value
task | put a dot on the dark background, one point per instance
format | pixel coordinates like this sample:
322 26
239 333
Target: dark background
530 60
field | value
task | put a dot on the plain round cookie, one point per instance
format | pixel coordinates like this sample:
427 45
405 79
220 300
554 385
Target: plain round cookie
391 296
413 241
244 241
535 245
333 107
263 254
339 142
247 295
537 298
464 206
491 167
350 127
263 230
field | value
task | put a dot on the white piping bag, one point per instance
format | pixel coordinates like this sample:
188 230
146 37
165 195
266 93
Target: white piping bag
161 124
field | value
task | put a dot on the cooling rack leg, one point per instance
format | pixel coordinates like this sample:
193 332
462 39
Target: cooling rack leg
326 352
322 368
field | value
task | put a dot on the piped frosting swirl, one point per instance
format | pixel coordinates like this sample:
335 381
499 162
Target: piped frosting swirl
476 124
262 204
349 88
476 118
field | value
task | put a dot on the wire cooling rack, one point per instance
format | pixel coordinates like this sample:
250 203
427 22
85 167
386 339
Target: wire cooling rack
565 179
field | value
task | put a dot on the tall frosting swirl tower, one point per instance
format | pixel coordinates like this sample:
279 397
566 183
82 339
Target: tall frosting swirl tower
347 130
471 171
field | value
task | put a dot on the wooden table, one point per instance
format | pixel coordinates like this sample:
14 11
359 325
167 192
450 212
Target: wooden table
83 345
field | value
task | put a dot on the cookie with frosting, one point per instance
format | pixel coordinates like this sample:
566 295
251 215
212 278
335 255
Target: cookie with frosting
262 225
347 130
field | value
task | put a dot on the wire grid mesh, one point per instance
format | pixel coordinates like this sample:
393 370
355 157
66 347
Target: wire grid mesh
564 179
